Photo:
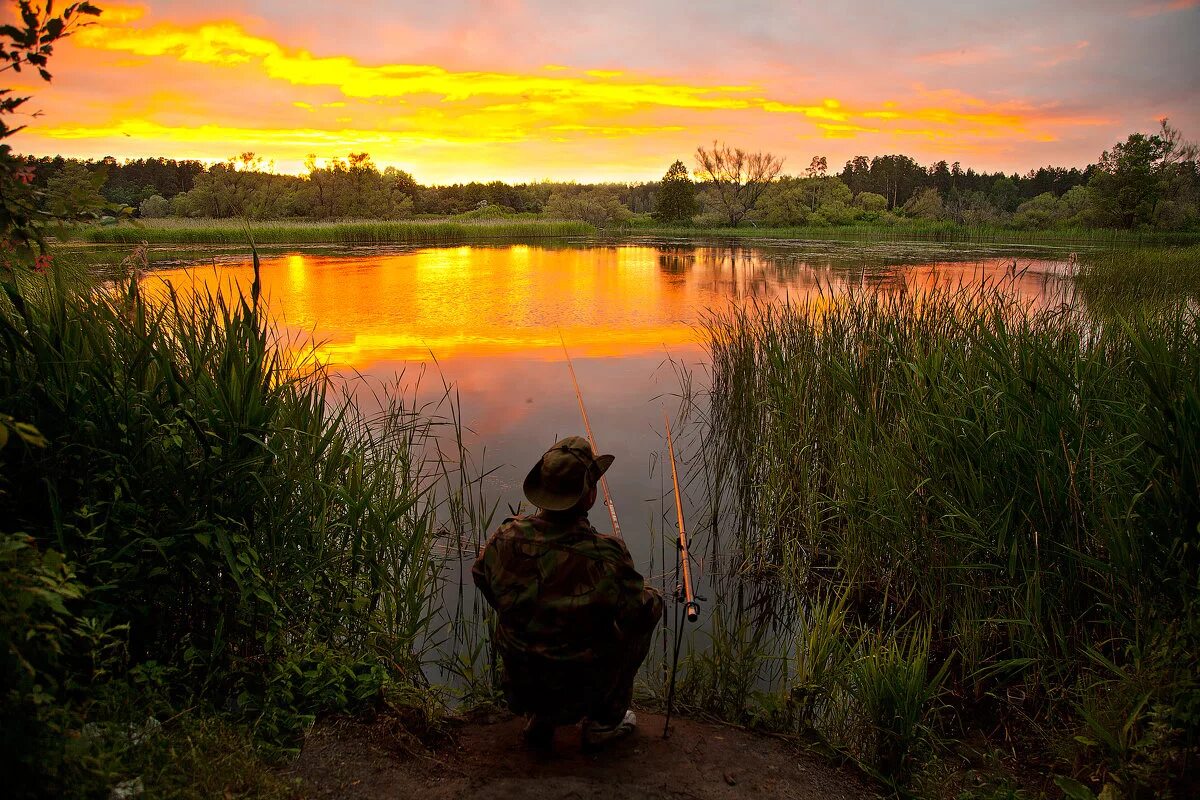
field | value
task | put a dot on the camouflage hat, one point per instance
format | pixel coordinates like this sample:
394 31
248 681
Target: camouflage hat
564 474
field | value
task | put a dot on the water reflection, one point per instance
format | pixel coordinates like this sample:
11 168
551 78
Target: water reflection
615 301
493 317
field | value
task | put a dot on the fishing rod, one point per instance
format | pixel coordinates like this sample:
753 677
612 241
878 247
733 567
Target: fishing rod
691 609
612 510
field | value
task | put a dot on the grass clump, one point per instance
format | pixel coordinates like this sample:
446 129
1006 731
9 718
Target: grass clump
1018 485
200 512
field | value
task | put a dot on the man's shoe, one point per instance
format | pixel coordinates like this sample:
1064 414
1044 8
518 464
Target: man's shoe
596 736
538 733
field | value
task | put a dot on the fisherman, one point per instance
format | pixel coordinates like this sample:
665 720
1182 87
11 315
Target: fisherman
575 616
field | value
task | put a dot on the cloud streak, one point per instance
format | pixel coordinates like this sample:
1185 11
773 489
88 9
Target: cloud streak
235 88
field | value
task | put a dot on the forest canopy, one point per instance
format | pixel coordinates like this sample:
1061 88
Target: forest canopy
1148 181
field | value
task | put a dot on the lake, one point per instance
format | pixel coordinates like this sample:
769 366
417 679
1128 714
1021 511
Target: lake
492 321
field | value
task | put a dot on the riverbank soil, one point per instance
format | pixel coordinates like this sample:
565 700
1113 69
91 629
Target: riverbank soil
483 758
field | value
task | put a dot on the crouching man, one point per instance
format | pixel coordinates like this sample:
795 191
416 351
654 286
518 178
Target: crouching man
575 618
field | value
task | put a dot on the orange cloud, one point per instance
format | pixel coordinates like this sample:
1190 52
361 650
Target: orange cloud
209 88
227 43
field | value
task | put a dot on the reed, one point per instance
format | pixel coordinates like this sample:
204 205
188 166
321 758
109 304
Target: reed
244 536
1120 280
934 231
1019 485
348 232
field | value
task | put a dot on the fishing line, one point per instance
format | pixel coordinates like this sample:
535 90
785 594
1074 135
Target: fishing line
612 510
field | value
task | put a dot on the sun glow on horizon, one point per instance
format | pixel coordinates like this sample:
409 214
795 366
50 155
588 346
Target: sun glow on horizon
145 83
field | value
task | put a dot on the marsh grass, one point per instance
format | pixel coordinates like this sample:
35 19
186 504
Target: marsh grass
938 231
977 492
210 231
1122 280
237 533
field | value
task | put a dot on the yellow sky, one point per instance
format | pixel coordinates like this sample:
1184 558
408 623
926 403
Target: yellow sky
439 93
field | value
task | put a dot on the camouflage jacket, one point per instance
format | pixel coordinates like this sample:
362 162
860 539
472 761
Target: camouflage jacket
561 590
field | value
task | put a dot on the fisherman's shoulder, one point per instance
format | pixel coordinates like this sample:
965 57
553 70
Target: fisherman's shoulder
520 524
607 546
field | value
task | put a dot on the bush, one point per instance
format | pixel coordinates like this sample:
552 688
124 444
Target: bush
595 207
871 202
36 590
154 207
264 545
925 204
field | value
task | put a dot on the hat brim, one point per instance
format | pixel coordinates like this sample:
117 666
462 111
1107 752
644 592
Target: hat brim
542 497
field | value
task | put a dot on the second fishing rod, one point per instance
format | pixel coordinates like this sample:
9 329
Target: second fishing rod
685 593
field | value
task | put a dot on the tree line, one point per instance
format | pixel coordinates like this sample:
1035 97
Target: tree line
1148 180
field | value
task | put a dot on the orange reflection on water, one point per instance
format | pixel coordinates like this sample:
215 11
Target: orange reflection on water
371 307
479 301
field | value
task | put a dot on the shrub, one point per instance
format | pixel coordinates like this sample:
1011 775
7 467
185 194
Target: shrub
263 542
154 207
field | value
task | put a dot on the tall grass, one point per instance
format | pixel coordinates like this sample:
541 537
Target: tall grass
349 232
1118 280
1021 485
249 540
939 231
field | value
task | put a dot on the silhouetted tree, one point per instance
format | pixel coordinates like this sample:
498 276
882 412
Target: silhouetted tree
74 193
27 42
738 178
676 201
1134 177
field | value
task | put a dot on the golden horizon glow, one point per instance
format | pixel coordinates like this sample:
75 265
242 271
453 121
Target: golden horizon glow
208 86
360 312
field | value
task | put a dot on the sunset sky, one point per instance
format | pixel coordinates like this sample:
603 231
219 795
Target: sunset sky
529 89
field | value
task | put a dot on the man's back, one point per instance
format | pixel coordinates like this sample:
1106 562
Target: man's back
560 589
575 617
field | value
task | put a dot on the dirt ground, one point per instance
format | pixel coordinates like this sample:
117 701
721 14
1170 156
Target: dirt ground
484 759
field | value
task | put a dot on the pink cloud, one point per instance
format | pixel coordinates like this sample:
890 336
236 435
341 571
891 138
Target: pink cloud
1163 7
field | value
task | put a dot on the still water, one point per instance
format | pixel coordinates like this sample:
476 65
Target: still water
492 320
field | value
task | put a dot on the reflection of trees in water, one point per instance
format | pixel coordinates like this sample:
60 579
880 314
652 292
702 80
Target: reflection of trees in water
676 261
744 272
760 272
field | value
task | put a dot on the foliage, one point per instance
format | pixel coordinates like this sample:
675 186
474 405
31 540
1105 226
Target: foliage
295 232
596 207
969 207
871 202
895 177
796 201
190 756
28 43
894 684
74 194
154 207
925 204
1116 280
737 177
1136 178
355 189
676 200
36 590
264 545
